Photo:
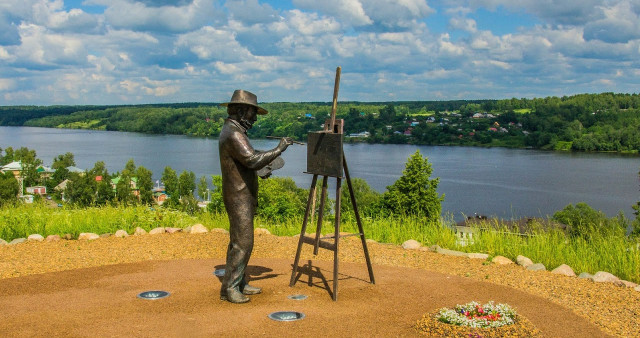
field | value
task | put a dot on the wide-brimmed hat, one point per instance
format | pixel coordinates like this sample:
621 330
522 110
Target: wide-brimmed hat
244 97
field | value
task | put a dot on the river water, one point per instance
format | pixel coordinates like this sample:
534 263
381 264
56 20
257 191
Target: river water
507 183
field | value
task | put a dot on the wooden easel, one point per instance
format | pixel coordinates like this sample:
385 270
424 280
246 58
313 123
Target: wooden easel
325 165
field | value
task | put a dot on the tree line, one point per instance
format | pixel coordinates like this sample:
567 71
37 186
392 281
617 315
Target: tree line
584 122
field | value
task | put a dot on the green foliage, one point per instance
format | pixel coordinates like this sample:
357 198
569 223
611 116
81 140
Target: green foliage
145 185
414 193
280 198
203 186
63 161
216 205
367 199
81 189
586 222
170 181
9 188
186 183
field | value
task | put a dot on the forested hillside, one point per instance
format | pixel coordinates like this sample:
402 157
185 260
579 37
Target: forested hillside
585 122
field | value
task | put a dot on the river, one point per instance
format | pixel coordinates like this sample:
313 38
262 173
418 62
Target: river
507 183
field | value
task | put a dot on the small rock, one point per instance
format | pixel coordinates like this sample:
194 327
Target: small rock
452 252
156 231
626 283
223 231
604 277
564 269
52 238
198 229
3 242
105 235
87 236
411 244
586 275
139 232
637 288
537 267
523 261
434 248
501 260
172 230
35 237
121 234
67 237
261 231
18 241
474 255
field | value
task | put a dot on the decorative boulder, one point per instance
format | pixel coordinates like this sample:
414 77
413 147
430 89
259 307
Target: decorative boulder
626 284
261 231
452 252
35 237
139 232
564 269
411 244
604 277
67 237
18 241
52 238
156 231
3 242
198 229
536 267
121 234
523 261
637 288
585 275
172 230
474 255
501 260
87 236
105 235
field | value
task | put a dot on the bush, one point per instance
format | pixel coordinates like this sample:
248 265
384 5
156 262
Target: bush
586 222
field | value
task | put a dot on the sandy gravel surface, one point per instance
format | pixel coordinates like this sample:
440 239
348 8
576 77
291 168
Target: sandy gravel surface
77 288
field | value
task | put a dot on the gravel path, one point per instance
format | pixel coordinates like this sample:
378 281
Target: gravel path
612 309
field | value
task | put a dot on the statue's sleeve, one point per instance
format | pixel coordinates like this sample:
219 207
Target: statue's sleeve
243 152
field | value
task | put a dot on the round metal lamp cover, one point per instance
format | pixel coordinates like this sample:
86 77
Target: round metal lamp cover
155 294
297 297
286 316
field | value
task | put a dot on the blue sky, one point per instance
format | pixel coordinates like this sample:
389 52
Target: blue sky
153 51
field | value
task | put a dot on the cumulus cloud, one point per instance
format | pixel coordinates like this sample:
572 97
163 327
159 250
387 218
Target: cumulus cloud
251 11
163 16
620 24
389 13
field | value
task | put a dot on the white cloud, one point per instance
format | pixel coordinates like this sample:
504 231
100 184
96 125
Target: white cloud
6 84
619 25
251 11
181 17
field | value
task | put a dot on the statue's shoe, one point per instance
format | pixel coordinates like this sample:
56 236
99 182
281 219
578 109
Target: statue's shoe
250 290
234 296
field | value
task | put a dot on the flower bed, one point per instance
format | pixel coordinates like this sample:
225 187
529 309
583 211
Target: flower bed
476 320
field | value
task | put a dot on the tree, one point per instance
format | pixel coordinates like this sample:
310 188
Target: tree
366 198
63 161
170 181
9 188
203 186
30 163
186 183
586 222
414 193
80 190
145 184
130 166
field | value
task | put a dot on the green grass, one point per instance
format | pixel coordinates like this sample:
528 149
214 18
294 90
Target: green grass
615 254
522 111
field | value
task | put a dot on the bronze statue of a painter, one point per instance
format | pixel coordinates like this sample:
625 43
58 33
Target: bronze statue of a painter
239 163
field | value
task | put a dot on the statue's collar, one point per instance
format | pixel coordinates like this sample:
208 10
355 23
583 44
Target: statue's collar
237 124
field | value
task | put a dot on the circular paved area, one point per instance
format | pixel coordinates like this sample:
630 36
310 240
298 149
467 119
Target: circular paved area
102 301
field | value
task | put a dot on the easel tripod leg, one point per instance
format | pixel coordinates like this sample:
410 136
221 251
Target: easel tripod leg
312 192
323 198
358 220
337 239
